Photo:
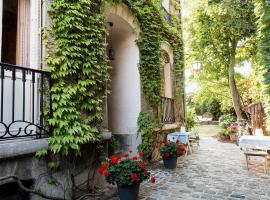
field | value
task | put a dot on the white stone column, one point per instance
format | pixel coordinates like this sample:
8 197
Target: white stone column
35 34
1 21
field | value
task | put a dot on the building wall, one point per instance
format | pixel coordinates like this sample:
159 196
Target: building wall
124 102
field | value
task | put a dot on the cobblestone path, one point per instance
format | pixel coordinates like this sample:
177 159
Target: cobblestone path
215 171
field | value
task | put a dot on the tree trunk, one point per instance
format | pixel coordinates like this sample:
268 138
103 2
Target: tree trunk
233 89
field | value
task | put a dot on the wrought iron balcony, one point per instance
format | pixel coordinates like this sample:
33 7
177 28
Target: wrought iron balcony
167 15
167 110
25 97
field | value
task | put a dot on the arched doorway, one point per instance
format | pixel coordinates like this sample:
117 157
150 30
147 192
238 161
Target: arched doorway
124 102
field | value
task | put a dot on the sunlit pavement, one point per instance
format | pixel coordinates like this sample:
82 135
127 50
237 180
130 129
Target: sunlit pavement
215 171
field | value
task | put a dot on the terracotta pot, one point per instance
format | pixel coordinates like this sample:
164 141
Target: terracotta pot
233 137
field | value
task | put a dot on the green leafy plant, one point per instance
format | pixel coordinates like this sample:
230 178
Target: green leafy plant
52 181
53 165
226 120
125 171
171 149
113 145
41 153
146 129
262 11
191 118
75 56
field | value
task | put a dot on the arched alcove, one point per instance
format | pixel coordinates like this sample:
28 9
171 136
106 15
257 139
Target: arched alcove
124 102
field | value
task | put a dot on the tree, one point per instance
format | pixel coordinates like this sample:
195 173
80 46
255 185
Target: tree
217 31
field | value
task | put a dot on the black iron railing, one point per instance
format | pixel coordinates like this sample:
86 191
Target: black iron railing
25 98
167 110
167 15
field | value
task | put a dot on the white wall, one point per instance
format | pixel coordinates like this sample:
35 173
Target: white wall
124 103
166 5
35 34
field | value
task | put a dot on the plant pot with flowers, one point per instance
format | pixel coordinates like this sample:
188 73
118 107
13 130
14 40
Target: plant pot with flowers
127 173
232 131
170 151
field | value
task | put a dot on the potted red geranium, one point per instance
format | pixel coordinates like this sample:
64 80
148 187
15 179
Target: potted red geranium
170 151
232 131
127 172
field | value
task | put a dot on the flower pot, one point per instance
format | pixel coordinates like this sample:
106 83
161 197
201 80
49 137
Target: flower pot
127 192
170 163
233 137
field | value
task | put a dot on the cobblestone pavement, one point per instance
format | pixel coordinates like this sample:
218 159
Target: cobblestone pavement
215 171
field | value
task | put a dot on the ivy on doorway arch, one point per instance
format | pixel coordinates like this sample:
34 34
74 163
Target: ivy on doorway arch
79 67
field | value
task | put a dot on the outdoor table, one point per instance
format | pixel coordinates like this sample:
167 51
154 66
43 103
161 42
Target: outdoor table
183 137
255 142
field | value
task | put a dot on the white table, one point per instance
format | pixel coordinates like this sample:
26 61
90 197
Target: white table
183 137
255 142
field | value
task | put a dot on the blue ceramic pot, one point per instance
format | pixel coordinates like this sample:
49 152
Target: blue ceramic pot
127 192
170 163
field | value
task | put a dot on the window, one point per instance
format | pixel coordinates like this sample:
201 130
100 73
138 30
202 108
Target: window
16 32
166 5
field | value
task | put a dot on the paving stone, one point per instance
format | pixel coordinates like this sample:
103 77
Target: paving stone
216 171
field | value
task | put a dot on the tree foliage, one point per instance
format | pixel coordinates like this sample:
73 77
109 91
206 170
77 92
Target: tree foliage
263 59
218 30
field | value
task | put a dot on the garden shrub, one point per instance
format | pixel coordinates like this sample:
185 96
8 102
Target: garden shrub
226 120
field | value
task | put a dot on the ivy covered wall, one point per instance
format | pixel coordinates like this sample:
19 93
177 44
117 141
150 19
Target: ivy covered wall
79 66
263 14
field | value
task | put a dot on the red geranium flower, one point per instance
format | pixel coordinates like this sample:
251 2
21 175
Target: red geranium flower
106 174
152 180
114 159
133 177
143 164
185 151
180 146
167 154
130 151
126 155
102 168
166 143
137 162
178 152
134 158
145 173
141 154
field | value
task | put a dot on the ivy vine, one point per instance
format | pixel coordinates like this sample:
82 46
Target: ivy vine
263 13
77 61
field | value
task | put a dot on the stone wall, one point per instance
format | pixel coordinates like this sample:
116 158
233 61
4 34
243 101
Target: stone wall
73 171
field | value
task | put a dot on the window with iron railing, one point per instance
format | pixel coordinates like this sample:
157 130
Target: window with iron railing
25 102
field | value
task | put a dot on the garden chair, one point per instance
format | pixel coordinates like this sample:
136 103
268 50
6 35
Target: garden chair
194 139
256 153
